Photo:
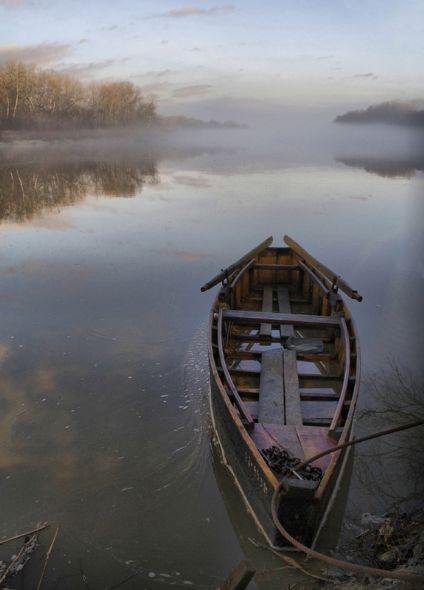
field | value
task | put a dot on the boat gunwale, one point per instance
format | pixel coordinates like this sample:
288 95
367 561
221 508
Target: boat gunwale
268 473
247 419
240 274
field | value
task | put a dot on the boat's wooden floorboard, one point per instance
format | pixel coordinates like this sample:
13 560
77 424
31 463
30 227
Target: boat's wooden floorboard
317 409
270 435
300 441
266 329
291 389
280 386
284 307
271 388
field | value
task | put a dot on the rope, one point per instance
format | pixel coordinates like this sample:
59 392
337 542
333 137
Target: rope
354 567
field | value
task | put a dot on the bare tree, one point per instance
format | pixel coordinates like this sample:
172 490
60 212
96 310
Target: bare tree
32 98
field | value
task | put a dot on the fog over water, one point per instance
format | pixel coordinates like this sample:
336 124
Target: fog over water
105 240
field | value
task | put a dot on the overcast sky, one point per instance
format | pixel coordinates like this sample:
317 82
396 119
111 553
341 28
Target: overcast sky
222 59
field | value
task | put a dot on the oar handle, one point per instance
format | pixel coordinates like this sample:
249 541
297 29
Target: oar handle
331 276
236 265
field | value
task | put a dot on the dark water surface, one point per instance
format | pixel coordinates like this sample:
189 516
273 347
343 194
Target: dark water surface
104 379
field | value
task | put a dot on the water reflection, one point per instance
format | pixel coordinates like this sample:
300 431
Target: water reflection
97 319
386 168
27 190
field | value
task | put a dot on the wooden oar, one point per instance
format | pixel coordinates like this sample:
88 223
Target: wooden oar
331 276
236 265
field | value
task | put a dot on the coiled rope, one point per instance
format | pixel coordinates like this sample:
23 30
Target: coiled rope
354 567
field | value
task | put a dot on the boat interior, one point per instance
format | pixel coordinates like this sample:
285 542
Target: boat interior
286 352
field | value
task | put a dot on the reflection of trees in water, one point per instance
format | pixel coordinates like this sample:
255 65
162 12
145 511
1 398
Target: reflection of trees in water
393 467
386 168
29 189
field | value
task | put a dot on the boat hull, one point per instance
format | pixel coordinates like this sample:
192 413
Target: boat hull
254 488
284 369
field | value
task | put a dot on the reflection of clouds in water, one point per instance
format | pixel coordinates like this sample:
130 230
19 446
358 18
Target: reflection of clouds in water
37 266
20 410
40 425
150 338
189 457
185 255
4 352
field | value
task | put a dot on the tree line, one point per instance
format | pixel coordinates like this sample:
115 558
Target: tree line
32 98
396 112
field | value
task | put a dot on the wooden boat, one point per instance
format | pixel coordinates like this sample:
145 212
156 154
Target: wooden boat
284 372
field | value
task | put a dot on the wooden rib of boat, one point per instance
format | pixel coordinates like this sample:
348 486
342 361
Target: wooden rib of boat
284 371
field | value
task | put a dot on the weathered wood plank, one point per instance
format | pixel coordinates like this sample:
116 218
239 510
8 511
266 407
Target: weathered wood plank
258 317
249 391
265 436
346 378
284 307
244 413
271 388
290 267
252 406
266 329
313 441
256 354
318 394
322 410
307 379
239 578
293 413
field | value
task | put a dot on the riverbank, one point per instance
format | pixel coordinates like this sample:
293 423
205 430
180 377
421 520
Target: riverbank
393 542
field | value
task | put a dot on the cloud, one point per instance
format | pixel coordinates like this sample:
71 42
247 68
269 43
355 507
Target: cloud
157 73
155 87
196 11
194 90
367 75
14 2
89 69
109 28
42 54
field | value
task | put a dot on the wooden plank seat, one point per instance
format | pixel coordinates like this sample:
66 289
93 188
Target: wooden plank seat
259 317
261 266
305 345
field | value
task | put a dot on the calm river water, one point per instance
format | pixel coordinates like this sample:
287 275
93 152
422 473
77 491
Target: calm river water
104 378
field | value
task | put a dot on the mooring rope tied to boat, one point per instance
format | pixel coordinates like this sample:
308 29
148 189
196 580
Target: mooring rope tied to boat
372 571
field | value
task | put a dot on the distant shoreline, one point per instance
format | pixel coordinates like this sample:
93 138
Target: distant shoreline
37 103
163 124
397 113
